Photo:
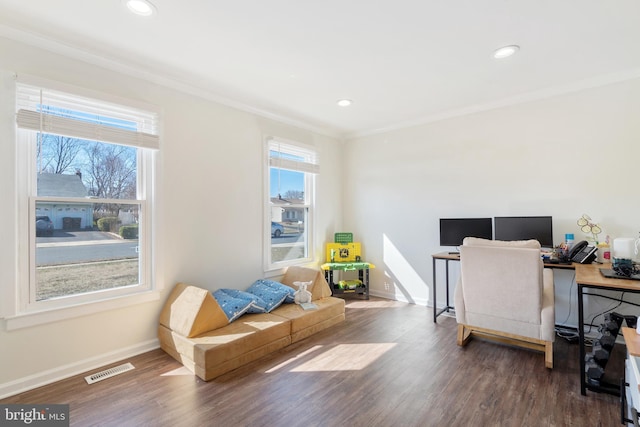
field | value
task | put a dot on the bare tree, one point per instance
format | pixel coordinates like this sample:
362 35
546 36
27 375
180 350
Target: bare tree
111 173
58 154
294 195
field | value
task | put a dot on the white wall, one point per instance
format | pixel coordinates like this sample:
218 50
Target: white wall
210 214
562 156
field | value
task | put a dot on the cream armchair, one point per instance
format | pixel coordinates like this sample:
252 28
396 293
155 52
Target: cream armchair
505 294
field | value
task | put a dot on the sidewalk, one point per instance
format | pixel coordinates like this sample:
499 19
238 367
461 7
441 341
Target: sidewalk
77 238
79 243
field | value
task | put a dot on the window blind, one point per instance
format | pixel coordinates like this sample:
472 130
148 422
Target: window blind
284 155
60 113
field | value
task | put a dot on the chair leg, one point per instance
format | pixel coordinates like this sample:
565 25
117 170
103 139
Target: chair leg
548 355
463 335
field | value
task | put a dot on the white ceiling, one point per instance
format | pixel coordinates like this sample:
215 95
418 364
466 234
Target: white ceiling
402 62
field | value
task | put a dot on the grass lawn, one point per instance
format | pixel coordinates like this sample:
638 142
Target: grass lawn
62 280
283 253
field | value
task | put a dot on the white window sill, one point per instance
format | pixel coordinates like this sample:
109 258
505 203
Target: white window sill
26 320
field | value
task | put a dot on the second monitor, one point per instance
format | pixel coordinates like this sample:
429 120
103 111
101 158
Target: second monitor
524 228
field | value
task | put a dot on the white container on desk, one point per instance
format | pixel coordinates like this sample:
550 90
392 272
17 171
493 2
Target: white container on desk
625 248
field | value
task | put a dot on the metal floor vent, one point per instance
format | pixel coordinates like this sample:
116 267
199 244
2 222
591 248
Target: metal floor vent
108 373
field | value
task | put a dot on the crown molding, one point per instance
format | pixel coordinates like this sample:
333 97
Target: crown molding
42 42
73 52
590 83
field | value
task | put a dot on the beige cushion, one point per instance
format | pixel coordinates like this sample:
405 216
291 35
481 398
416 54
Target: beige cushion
194 330
476 241
304 323
319 289
249 332
301 319
219 351
192 311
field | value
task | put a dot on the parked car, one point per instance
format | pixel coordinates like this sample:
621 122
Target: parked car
44 226
276 229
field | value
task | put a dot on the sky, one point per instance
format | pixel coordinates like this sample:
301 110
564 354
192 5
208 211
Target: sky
288 180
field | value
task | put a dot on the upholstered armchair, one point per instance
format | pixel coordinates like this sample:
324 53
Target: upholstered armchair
506 295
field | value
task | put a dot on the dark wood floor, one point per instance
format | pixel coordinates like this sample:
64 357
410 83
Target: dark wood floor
387 365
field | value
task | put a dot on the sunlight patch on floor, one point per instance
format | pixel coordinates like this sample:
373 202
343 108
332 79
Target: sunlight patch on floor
294 358
345 357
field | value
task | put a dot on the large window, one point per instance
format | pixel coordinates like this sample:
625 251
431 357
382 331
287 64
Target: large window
289 203
85 198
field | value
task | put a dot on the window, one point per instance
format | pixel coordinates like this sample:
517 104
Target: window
85 198
289 203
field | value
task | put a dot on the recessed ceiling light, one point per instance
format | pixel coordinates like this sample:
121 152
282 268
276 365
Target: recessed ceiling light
506 51
344 102
140 7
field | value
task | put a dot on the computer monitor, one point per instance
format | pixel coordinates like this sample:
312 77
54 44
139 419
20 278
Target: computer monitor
525 228
454 230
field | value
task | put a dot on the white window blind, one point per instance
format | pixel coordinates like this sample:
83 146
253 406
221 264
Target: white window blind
50 111
293 157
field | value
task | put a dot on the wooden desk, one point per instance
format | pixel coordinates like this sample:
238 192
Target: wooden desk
631 340
588 276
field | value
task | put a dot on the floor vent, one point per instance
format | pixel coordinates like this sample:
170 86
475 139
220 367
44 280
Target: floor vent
108 373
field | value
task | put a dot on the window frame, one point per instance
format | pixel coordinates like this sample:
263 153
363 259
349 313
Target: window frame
310 168
25 310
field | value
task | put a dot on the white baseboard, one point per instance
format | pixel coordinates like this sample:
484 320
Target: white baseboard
60 373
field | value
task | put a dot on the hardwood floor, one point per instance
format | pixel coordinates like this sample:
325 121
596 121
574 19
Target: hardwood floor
387 365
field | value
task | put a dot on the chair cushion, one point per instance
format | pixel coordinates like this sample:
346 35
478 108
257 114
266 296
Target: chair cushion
502 288
476 241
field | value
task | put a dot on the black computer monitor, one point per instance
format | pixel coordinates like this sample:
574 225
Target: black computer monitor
454 230
525 228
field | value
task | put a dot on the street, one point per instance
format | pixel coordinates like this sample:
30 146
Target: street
86 246
82 246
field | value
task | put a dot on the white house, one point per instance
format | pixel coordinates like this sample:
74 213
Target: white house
65 216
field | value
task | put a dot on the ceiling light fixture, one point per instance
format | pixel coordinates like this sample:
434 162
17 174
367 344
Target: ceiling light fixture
344 102
506 51
140 7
